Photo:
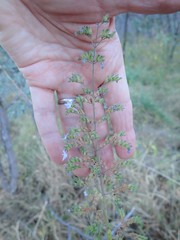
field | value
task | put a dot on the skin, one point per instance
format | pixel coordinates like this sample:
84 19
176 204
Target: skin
39 37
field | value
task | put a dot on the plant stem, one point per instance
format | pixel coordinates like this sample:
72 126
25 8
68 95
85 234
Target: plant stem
100 179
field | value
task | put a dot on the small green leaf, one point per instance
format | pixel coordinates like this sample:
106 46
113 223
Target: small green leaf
142 238
132 187
117 202
99 100
73 164
105 19
100 58
118 177
77 182
91 58
87 57
127 163
94 135
113 78
96 170
102 91
83 150
76 78
87 91
122 213
68 146
76 209
115 108
84 118
106 34
122 134
79 100
138 220
105 117
71 110
123 143
109 235
92 229
86 138
85 30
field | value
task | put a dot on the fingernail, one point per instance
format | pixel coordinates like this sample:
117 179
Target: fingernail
64 155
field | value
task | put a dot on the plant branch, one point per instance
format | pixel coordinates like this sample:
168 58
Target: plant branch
129 215
20 92
6 139
70 227
100 180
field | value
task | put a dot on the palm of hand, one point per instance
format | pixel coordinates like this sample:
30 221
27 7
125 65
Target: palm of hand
47 52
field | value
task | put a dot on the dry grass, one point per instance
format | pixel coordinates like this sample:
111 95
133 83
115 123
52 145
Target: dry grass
24 216
154 169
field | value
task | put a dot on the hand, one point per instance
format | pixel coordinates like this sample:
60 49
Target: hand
39 35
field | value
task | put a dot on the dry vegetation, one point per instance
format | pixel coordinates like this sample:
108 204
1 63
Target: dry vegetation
155 168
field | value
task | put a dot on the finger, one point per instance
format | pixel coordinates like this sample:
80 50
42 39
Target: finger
118 93
107 159
96 112
72 120
83 169
45 116
68 121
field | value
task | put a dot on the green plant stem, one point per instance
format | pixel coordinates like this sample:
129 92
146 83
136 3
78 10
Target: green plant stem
100 180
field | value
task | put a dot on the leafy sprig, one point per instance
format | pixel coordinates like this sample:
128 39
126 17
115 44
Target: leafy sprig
103 187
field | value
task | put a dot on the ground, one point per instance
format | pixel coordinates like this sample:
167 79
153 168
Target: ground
155 168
